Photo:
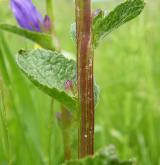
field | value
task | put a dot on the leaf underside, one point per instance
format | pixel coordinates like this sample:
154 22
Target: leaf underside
49 71
107 156
43 39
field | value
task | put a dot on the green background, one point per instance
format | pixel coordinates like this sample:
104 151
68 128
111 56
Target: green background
127 68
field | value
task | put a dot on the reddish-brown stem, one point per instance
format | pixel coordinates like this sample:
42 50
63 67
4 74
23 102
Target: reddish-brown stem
85 77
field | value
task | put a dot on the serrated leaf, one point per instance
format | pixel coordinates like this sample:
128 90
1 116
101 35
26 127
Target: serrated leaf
121 14
107 156
49 70
104 24
43 39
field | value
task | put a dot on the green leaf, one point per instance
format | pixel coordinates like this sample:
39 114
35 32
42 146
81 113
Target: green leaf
73 31
107 156
43 39
49 71
96 93
105 24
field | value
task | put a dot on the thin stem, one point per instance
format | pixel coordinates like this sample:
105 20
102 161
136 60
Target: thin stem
66 123
85 77
49 8
65 117
50 131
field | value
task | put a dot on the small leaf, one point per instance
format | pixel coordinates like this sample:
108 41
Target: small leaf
121 14
107 156
103 23
43 39
49 70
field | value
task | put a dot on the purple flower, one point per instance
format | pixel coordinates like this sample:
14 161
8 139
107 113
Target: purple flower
28 17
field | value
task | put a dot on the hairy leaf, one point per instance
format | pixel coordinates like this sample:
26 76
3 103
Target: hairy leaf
49 70
107 156
104 24
43 39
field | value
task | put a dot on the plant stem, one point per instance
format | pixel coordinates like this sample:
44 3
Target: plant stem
85 77
49 7
65 117
66 123
50 130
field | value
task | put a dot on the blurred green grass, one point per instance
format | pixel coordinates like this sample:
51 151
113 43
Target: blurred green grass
127 66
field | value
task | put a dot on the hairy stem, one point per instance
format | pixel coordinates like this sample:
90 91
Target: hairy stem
85 77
